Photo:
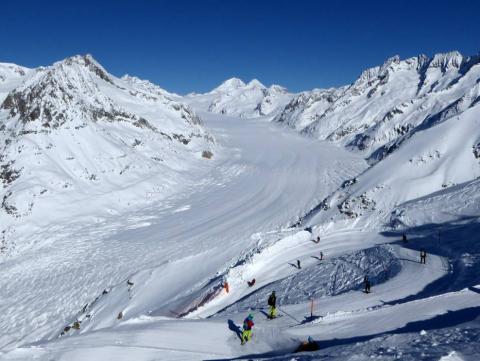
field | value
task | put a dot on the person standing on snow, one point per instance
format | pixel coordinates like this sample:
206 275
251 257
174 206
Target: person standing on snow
272 302
247 329
298 264
423 256
366 282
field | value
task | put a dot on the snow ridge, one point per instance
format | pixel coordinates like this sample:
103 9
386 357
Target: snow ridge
386 102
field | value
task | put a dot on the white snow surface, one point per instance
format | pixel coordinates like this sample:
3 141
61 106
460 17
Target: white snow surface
430 161
138 260
11 76
249 191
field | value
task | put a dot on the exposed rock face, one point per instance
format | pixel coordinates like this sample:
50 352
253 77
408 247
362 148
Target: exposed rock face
73 128
388 104
69 92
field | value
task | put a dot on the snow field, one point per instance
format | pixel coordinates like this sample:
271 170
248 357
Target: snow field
248 191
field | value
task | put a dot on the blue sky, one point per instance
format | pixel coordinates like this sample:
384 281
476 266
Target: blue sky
194 45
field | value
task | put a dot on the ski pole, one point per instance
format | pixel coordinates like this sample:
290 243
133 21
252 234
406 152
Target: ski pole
293 318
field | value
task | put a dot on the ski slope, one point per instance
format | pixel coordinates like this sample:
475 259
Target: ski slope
265 179
155 337
231 224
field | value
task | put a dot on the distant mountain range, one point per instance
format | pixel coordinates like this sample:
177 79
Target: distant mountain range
72 131
417 119
235 98
374 114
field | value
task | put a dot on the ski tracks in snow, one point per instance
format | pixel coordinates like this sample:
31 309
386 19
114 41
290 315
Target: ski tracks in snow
263 179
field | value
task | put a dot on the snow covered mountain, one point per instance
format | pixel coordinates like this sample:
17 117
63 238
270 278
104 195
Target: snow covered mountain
388 103
123 239
415 121
374 114
429 161
235 98
11 75
72 133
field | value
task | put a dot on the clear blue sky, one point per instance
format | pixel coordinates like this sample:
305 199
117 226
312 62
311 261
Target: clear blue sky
193 45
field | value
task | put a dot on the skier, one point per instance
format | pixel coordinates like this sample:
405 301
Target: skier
298 264
318 239
367 284
404 238
226 287
251 283
309 345
423 256
247 329
321 256
272 302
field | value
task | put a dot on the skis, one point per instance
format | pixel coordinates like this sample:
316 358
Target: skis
272 318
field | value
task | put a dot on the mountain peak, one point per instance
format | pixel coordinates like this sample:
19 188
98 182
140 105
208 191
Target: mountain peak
230 84
278 88
390 61
65 91
376 71
84 60
255 83
447 60
87 61
441 60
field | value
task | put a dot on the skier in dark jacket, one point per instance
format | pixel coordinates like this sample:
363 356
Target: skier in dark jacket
423 256
272 302
247 329
367 284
